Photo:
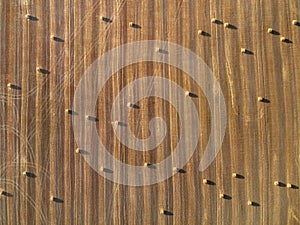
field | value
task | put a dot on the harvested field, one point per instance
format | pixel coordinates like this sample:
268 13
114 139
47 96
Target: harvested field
44 177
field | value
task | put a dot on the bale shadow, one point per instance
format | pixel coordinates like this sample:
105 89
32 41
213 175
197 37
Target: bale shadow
107 20
265 100
72 112
205 34
30 175
162 51
132 105
15 87
239 176
122 124
58 200
281 184
135 106
58 39
107 170
231 26
193 95
168 213
255 204
294 186
178 170
151 166
210 182
136 26
43 71
248 52
227 197
181 171
288 41
32 18
83 152
7 194
92 118
218 22
274 32
119 123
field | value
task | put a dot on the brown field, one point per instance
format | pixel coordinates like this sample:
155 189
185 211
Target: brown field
261 141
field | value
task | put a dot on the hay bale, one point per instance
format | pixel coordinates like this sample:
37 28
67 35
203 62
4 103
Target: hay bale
25 173
243 50
296 22
146 164
132 105
28 16
214 20
116 123
276 183
69 111
289 185
234 175
162 211
221 195
187 93
205 181
226 25
283 39
260 99
131 24
249 203
270 30
201 32
78 151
